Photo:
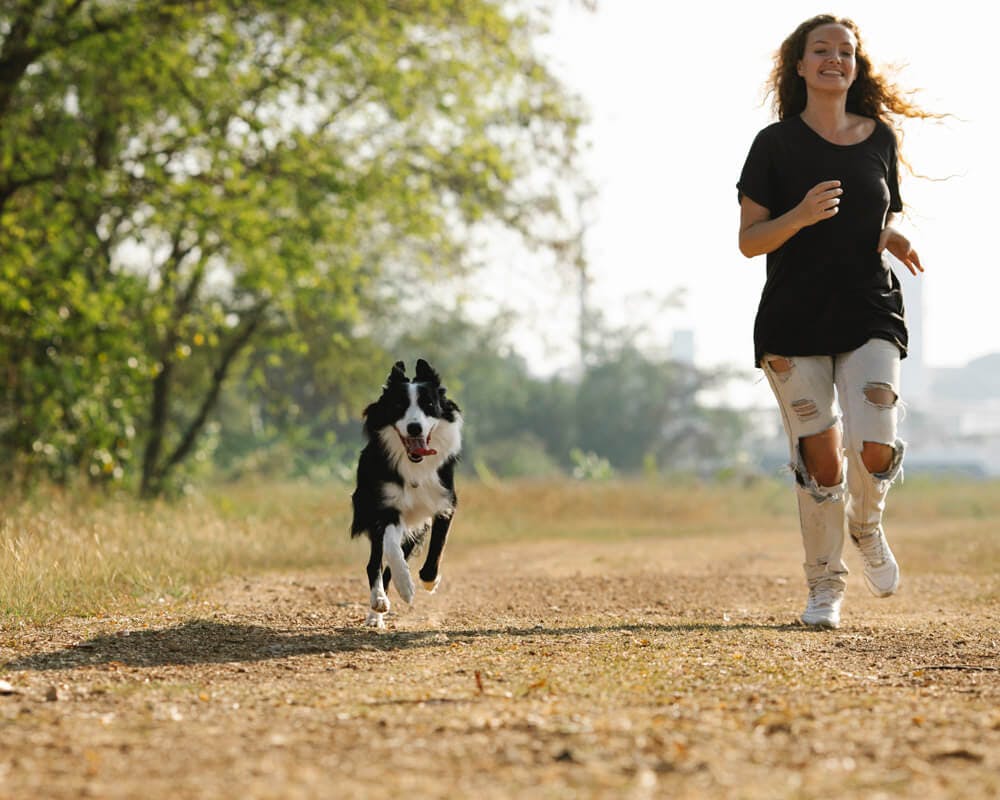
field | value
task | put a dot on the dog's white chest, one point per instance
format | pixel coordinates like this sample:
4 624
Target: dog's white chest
417 500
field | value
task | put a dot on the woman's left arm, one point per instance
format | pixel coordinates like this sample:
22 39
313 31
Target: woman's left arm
897 244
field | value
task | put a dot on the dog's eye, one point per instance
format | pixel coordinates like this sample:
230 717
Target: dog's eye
428 406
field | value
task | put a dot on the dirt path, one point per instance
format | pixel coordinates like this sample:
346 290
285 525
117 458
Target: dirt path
646 668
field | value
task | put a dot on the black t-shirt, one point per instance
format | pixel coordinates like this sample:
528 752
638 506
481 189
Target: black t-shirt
827 290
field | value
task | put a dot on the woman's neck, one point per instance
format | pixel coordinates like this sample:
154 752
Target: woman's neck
827 115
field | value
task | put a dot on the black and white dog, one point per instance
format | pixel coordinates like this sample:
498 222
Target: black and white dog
406 481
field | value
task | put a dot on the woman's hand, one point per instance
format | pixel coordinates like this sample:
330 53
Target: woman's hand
897 244
820 203
760 234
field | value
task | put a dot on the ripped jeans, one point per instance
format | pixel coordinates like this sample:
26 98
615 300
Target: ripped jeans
865 385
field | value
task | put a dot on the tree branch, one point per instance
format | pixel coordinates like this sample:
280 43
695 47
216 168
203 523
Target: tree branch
235 346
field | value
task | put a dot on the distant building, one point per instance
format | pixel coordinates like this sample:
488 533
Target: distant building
682 346
956 428
951 416
914 371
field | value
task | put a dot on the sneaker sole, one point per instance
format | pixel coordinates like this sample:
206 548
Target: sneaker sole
824 624
881 592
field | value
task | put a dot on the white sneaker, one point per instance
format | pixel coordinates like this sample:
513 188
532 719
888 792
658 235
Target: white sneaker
881 569
823 608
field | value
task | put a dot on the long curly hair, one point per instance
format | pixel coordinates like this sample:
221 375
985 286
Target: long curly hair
871 95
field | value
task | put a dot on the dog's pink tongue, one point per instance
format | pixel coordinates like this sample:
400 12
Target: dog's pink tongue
416 446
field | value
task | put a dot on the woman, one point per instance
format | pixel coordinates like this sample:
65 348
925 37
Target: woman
817 195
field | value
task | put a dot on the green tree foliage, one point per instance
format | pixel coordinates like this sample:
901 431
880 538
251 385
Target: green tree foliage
627 411
189 188
519 423
642 412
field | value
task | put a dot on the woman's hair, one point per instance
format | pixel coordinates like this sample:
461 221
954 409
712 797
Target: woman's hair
871 95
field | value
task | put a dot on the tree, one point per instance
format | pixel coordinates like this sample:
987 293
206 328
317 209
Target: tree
187 183
637 408
629 407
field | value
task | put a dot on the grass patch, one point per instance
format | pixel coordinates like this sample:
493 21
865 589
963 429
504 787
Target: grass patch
71 554
67 554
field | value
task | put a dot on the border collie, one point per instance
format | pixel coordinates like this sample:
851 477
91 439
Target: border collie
406 482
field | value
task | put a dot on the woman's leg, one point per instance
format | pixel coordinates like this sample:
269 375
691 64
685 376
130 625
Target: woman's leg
804 389
868 387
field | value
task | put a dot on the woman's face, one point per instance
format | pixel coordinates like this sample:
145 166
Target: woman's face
829 62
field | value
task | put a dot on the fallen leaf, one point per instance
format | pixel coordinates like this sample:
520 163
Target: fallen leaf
960 753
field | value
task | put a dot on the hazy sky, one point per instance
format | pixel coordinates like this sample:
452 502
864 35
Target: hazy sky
675 94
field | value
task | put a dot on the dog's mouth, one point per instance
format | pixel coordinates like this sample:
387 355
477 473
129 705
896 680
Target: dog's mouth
417 447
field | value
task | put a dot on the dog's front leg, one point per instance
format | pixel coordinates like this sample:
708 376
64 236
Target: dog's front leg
396 559
379 600
408 546
429 575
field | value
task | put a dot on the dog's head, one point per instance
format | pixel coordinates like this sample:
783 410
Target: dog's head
415 417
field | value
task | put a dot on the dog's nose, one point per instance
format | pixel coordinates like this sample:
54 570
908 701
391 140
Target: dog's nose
414 429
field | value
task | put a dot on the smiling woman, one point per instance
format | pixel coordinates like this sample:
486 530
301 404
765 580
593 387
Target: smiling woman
829 61
642 161
817 195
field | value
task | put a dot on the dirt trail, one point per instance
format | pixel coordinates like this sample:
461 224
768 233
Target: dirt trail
642 668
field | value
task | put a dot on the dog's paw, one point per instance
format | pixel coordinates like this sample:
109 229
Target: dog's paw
379 601
401 577
403 582
375 620
431 586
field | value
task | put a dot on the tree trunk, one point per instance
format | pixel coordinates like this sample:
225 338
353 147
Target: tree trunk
155 471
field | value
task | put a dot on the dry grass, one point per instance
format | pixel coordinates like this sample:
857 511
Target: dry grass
84 555
71 555
626 640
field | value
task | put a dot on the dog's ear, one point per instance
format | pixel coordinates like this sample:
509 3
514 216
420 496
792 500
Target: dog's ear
398 374
448 406
426 373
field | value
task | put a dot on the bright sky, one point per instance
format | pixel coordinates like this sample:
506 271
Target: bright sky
675 96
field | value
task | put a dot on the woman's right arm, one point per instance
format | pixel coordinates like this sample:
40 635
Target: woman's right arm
759 234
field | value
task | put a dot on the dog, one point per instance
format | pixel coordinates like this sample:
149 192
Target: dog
406 482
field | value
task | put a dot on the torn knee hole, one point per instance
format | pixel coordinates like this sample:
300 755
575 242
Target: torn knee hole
818 492
805 409
822 476
881 395
877 457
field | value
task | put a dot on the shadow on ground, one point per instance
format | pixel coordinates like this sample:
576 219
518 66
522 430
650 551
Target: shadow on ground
209 641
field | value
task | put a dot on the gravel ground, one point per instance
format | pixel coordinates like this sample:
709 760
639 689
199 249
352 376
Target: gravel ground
652 667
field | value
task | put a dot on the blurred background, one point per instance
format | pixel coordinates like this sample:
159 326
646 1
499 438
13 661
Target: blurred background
221 223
